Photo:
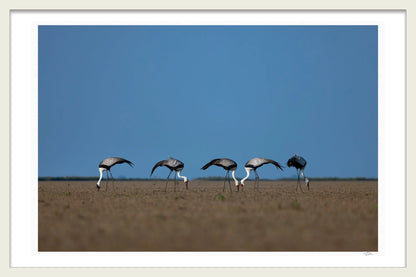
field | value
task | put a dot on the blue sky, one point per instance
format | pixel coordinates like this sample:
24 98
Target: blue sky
203 92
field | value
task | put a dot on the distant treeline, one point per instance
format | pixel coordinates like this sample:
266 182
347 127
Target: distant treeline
219 178
333 179
215 178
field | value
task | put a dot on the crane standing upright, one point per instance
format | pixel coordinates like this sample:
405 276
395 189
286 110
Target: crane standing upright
173 165
106 164
228 165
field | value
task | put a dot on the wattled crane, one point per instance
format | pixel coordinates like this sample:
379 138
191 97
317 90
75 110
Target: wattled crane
173 165
228 165
255 163
106 164
299 163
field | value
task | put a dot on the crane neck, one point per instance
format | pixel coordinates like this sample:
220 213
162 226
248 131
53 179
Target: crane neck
235 180
303 175
248 169
183 177
101 176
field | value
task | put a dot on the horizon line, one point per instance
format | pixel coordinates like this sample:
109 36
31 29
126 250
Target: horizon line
212 178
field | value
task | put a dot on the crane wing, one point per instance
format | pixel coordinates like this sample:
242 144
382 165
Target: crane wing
274 162
227 163
209 164
161 163
224 163
296 161
109 162
172 164
257 162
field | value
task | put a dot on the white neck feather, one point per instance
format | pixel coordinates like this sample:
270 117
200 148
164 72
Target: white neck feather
303 175
235 180
183 177
248 169
101 175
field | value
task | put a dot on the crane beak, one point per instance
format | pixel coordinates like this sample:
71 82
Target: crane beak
307 184
186 184
98 188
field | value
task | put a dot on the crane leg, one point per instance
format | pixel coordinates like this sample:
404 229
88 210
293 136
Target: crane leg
304 178
297 184
229 182
256 180
112 178
174 184
225 179
167 180
258 183
298 171
106 182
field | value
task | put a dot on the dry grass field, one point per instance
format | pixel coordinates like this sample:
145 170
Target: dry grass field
140 216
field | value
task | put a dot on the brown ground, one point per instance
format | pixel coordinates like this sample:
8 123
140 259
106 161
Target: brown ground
140 216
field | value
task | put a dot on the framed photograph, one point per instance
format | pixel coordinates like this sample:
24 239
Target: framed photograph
316 97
